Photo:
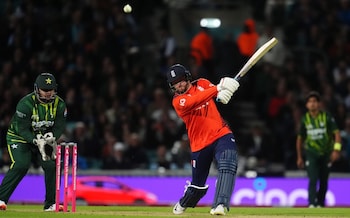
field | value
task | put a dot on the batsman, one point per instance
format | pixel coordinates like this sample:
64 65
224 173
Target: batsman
39 120
210 137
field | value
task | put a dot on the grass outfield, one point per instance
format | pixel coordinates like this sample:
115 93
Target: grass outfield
35 211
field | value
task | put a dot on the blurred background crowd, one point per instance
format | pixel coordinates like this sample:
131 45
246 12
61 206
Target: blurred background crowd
110 67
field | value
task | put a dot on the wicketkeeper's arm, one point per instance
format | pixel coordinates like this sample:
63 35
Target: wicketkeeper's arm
24 125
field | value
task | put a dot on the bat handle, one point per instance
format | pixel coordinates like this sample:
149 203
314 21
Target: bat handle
237 77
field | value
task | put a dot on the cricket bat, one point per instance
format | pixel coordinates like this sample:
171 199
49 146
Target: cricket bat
256 57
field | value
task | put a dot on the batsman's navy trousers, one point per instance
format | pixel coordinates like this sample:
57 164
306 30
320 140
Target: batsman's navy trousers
201 160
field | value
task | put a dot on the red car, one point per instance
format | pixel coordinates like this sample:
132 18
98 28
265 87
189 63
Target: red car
104 190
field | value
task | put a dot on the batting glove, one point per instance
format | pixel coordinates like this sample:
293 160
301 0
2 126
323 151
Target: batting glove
228 83
224 96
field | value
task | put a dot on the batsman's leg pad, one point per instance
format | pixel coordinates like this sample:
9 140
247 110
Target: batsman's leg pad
227 167
192 195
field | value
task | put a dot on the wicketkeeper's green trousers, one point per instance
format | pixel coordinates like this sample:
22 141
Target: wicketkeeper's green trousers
22 156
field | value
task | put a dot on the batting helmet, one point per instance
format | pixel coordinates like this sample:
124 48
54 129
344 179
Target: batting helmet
177 73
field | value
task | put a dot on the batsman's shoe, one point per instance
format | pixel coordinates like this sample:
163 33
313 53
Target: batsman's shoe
178 209
219 210
52 208
3 205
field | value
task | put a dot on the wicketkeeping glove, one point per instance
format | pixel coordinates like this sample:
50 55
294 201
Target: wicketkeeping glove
41 142
39 139
228 83
49 138
224 96
51 141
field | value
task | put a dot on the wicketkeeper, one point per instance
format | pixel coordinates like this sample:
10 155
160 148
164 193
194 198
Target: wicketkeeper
39 120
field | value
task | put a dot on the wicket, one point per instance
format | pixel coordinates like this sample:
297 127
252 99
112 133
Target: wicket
66 147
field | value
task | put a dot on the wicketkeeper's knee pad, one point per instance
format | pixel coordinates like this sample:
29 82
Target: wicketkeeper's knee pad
192 195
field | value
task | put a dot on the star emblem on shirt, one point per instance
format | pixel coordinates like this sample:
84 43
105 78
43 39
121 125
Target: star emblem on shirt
14 146
48 81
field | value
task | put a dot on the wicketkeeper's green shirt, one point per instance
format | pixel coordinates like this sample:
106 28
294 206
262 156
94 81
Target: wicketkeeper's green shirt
32 117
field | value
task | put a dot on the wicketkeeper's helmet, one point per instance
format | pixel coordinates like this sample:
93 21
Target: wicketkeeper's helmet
45 82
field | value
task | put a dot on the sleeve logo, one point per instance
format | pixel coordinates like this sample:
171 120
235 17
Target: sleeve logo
20 114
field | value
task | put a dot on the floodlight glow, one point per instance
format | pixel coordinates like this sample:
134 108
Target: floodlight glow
210 22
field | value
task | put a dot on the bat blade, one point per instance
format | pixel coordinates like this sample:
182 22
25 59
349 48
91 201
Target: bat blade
256 57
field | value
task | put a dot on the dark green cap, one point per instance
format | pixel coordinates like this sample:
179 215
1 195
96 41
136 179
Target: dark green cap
314 94
46 81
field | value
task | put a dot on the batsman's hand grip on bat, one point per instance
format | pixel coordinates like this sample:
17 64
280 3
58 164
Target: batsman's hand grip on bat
224 96
229 85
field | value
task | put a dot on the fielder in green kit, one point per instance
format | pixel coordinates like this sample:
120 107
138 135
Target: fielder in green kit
39 120
320 137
